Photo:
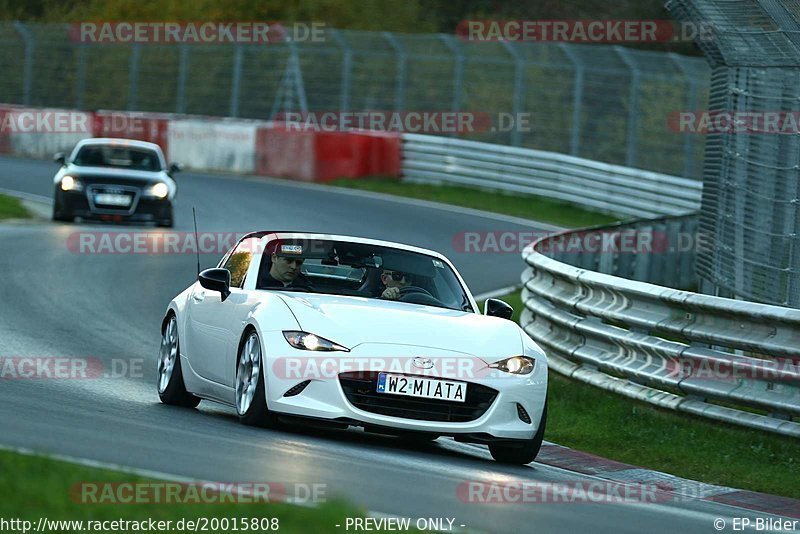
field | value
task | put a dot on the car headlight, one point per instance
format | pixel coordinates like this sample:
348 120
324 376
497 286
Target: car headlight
159 190
306 341
517 365
69 183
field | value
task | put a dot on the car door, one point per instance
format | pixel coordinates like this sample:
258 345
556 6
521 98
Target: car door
214 326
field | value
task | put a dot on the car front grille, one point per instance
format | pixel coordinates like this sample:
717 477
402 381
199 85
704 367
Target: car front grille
360 389
99 189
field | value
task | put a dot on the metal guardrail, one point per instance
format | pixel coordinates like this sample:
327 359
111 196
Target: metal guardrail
614 189
730 360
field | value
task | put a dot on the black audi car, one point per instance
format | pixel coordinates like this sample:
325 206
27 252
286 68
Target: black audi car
120 180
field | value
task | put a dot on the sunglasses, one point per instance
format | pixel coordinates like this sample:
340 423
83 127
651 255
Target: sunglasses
396 276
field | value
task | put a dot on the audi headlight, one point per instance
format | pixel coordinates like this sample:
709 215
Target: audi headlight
69 183
517 365
305 341
159 190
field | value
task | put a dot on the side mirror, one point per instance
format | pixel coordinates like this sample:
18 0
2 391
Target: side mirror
216 280
60 157
498 308
174 168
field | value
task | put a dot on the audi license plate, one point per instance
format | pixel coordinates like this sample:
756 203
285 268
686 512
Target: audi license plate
426 388
108 199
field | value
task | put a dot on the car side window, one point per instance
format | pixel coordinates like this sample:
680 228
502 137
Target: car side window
239 261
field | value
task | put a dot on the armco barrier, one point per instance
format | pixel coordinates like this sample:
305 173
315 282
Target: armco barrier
731 360
595 185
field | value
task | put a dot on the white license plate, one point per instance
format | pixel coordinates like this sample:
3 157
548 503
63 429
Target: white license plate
107 199
426 388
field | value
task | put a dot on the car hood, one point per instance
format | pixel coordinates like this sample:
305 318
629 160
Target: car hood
352 321
90 173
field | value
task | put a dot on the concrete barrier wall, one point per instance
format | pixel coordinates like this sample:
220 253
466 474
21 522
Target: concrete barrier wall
151 127
204 143
213 145
40 133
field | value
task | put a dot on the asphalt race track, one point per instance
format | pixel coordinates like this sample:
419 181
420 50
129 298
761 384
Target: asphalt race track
56 302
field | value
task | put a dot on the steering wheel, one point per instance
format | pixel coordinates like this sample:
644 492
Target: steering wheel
411 290
418 295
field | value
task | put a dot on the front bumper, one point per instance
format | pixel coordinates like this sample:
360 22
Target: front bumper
144 210
326 395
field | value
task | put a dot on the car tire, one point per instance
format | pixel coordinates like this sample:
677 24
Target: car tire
60 216
521 453
251 399
166 223
171 388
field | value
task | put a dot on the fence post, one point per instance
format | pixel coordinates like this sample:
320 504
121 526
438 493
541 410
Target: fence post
236 82
633 111
402 60
577 98
27 79
458 74
691 105
133 78
519 90
347 70
183 69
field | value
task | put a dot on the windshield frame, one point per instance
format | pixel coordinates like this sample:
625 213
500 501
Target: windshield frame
262 258
159 157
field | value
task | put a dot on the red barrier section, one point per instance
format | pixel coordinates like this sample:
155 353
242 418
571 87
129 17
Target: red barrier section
323 156
150 127
5 134
285 153
356 155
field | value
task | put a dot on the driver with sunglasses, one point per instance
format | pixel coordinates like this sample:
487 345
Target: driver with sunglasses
394 282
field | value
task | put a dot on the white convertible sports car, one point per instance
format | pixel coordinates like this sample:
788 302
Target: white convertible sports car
347 331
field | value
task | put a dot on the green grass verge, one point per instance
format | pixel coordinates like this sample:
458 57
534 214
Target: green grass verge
33 486
593 420
12 208
526 206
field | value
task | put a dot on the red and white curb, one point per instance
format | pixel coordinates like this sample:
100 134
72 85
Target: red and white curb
680 489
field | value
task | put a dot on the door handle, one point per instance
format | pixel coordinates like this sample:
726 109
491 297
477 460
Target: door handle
198 297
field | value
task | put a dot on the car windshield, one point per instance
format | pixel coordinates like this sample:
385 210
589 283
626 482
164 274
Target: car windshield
139 159
362 270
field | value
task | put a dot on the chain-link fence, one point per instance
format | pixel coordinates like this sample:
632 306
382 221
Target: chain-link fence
606 103
751 184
